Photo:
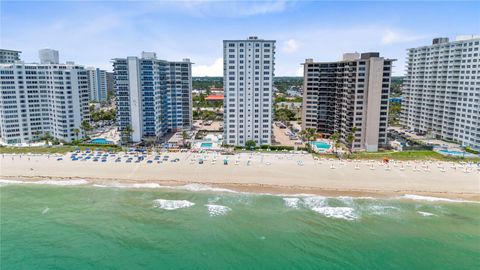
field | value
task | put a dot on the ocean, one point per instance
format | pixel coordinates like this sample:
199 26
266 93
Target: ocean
146 227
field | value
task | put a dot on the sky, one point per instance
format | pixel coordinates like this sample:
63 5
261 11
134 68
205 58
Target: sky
91 33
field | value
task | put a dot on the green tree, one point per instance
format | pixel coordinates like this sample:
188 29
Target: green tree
85 127
351 138
250 144
47 137
336 140
76 131
184 138
127 133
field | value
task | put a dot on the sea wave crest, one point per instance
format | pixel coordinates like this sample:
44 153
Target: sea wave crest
217 210
292 202
346 213
430 199
172 204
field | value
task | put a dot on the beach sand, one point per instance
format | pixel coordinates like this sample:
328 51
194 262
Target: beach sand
267 173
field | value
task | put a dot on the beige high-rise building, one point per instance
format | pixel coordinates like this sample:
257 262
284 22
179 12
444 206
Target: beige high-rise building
354 92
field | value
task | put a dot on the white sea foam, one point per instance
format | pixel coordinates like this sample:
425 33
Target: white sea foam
217 210
426 214
292 202
45 210
48 182
346 213
61 182
146 185
314 202
381 209
430 199
172 204
202 187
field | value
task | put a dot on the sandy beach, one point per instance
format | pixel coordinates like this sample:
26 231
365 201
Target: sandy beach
272 173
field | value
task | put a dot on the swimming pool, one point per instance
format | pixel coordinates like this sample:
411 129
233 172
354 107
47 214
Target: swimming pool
101 141
321 145
206 145
455 153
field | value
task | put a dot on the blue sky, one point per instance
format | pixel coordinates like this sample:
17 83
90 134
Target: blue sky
93 32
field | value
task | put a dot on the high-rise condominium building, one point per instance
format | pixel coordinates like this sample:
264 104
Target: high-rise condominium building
48 56
441 91
154 96
249 67
9 56
98 84
349 95
40 98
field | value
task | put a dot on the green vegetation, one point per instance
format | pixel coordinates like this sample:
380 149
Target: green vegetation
284 83
206 115
396 86
288 99
60 149
394 114
200 102
250 144
470 150
270 148
407 155
205 83
103 115
284 115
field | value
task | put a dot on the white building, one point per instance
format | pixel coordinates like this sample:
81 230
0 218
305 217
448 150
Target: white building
441 91
48 56
249 67
98 84
154 97
348 95
40 98
9 56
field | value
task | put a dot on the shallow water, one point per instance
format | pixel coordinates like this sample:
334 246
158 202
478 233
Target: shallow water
85 227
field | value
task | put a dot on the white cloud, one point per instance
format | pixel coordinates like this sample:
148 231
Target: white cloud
393 37
207 8
299 72
215 69
290 46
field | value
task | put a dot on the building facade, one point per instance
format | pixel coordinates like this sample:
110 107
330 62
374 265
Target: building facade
40 98
98 84
349 97
249 67
48 56
441 91
154 97
9 56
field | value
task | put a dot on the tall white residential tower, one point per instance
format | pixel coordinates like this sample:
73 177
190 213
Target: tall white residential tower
248 71
441 91
48 56
154 96
40 98
97 80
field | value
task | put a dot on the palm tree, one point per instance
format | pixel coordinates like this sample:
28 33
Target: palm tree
184 138
127 133
76 131
351 138
336 140
47 137
37 134
86 127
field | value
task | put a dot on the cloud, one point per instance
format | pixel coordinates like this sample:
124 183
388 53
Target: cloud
299 72
392 37
207 8
215 69
290 46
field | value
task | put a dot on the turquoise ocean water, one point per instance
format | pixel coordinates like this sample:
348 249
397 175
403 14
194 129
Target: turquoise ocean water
85 227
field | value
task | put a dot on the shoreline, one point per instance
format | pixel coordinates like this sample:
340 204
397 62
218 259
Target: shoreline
259 173
251 188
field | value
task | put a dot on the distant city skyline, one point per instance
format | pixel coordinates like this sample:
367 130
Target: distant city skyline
91 33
